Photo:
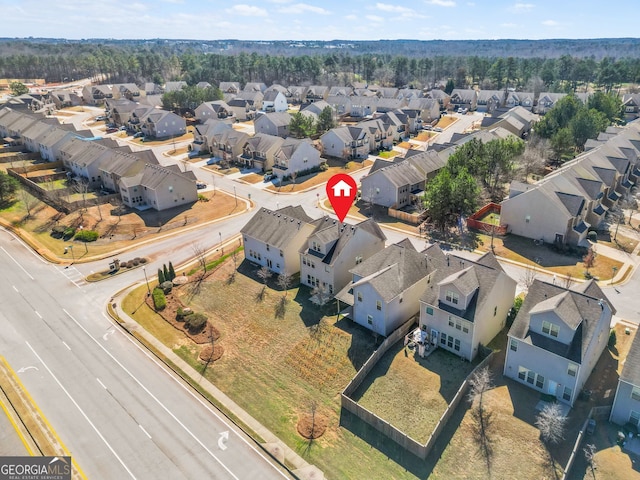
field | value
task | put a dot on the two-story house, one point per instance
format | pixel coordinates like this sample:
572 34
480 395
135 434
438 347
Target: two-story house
260 151
276 123
489 100
204 134
626 405
274 101
227 144
163 124
96 94
557 338
159 187
385 289
346 142
333 249
295 156
463 98
465 303
215 109
273 238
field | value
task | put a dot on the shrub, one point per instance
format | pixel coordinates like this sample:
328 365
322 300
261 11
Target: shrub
324 167
159 300
136 262
69 232
87 235
58 231
196 322
202 198
612 338
182 313
166 286
143 260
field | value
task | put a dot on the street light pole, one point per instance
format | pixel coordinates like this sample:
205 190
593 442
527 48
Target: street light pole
144 269
234 195
220 234
70 247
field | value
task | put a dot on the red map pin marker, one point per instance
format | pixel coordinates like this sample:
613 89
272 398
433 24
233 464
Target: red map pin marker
341 190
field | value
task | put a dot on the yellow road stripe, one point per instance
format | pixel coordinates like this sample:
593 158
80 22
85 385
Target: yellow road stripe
16 379
16 428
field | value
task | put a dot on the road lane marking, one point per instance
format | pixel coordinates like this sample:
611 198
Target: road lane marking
145 432
39 316
16 262
81 411
156 399
198 397
14 287
65 344
101 384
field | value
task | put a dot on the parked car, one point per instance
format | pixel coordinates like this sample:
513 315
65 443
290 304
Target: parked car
100 118
591 426
138 135
112 130
437 129
201 185
268 177
213 161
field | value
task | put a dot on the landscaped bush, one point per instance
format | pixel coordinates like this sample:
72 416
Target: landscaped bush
58 231
69 232
136 262
166 286
143 260
182 313
87 235
612 338
159 300
196 322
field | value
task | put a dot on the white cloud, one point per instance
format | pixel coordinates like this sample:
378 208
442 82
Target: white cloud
374 18
300 8
509 25
550 23
521 7
280 1
442 3
351 17
247 11
385 7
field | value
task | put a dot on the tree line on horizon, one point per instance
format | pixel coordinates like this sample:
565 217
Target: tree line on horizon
109 64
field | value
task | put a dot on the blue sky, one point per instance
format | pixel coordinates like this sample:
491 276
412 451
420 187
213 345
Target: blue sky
318 20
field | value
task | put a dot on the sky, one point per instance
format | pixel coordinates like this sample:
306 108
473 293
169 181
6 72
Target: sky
318 20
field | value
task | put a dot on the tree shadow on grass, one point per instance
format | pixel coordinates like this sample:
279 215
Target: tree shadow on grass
281 308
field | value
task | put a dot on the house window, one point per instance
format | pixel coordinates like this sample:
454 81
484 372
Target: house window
513 345
451 323
281 253
566 394
540 381
429 310
267 247
550 329
452 297
456 345
495 311
465 328
359 296
369 319
378 305
635 393
572 369
634 418
443 338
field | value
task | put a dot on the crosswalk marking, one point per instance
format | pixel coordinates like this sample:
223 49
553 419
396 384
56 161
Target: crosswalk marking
74 275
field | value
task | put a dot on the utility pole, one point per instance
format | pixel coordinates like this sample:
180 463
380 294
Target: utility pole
144 269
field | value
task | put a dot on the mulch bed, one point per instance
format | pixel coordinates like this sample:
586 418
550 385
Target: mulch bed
312 427
211 353
169 314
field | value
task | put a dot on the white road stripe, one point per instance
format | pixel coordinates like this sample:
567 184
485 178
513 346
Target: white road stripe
101 384
65 344
81 411
16 262
156 399
39 316
146 433
14 287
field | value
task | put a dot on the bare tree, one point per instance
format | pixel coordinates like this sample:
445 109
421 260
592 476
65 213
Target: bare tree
264 274
533 159
589 455
28 200
492 230
480 383
528 277
199 254
82 187
589 261
552 423
294 175
284 281
568 281
320 295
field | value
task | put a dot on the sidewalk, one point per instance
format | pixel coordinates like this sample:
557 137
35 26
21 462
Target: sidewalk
284 455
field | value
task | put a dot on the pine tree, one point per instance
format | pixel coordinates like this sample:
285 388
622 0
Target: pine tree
165 270
160 276
172 272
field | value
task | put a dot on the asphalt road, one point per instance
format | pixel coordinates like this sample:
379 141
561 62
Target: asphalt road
118 410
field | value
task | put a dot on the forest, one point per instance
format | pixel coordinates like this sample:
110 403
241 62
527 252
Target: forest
160 61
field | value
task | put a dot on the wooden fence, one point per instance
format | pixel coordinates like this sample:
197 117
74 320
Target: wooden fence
384 427
413 218
473 222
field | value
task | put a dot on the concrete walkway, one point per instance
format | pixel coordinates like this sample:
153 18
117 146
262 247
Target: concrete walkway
284 455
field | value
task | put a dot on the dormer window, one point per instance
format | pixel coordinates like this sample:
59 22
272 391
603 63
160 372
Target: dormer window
452 297
550 329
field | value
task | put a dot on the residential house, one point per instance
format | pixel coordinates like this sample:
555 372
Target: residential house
385 289
278 88
546 101
227 144
259 151
274 101
443 99
118 111
203 135
388 104
489 100
337 91
151 88
203 85
387 92
363 106
579 194
631 103
333 249
464 98
380 134
398 121
626 405
276 123
51 141
138 116
315 107
273 238
315 93
230 87
341 104
159 187
557 338
96 94
163 124
254 87
65 98
465 303
31 135
112 169
517 120
520 99
400 183
428 109
130 91
346 142
296 94
409 94
174 86
295 156
245 105
214 109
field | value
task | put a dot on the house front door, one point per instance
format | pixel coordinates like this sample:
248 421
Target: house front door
552 387
434 336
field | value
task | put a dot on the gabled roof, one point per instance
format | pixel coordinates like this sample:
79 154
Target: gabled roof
271 95
261 142
289 147
279 119
276 227
631 369
155 176
578 308
393 270
466 95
